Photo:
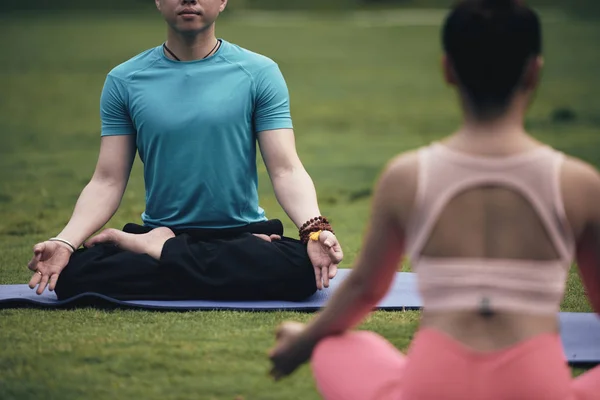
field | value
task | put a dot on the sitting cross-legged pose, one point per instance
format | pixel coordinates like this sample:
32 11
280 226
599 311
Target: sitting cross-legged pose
492 220
194 109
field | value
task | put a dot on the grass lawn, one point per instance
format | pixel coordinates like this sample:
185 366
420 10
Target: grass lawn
360 92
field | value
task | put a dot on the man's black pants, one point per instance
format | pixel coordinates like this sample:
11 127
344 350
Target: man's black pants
197 264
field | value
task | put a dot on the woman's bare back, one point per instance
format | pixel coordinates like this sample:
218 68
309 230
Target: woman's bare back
497 222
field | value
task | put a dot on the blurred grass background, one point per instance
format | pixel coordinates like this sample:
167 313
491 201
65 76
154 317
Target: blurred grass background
581 7
364 87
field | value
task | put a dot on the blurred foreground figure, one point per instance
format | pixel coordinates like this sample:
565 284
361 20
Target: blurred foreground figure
194 108
491 220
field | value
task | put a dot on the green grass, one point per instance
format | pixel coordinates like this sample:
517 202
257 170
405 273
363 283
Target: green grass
359 96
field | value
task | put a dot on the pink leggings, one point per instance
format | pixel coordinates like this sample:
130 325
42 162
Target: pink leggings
363 366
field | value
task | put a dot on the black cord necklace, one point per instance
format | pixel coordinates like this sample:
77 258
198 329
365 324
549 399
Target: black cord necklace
178 59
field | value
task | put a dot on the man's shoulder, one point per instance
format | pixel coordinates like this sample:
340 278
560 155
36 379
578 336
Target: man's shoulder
127 69
249 60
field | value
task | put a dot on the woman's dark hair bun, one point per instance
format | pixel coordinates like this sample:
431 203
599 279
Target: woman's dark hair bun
489 43
500 4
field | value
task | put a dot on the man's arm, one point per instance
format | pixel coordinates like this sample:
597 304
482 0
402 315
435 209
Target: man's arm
96 205
296 194
100 199
293 186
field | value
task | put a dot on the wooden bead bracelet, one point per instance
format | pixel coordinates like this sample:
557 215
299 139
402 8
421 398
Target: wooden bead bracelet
316 224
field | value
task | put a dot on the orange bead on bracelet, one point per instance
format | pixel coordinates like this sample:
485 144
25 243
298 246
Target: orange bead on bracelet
315 236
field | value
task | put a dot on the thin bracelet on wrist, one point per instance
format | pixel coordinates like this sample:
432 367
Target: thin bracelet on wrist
57 239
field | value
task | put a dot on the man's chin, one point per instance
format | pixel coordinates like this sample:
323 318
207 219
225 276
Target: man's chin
191 30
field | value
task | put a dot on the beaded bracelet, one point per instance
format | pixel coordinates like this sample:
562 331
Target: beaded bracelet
313 225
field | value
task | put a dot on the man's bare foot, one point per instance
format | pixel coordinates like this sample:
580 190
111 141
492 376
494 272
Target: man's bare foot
150 243
267 238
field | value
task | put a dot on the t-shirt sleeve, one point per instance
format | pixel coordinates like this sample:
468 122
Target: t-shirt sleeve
272 102
114 110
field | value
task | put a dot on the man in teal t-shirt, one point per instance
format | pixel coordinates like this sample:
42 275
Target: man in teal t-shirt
196 124
193 109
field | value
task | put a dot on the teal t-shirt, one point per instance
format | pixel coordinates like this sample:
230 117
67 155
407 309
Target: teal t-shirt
195 124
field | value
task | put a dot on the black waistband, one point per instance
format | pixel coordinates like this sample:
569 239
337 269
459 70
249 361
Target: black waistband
270 227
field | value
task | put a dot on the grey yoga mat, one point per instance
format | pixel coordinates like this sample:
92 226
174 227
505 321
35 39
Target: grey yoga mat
580 332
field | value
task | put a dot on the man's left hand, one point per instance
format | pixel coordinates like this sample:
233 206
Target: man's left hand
325 254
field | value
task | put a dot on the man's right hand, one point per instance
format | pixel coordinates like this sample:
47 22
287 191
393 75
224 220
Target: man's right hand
49 259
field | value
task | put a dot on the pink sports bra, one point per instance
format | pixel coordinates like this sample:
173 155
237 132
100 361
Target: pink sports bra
495 284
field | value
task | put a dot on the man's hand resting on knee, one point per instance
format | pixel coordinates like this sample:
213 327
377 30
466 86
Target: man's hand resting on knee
325 254
48 261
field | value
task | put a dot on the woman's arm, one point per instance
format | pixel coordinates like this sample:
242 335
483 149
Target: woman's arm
588 246
382 250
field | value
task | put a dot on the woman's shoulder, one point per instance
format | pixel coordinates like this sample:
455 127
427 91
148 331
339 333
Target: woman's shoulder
397 187
580 191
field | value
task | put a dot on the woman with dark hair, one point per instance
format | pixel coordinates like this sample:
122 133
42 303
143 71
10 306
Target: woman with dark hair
491 220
